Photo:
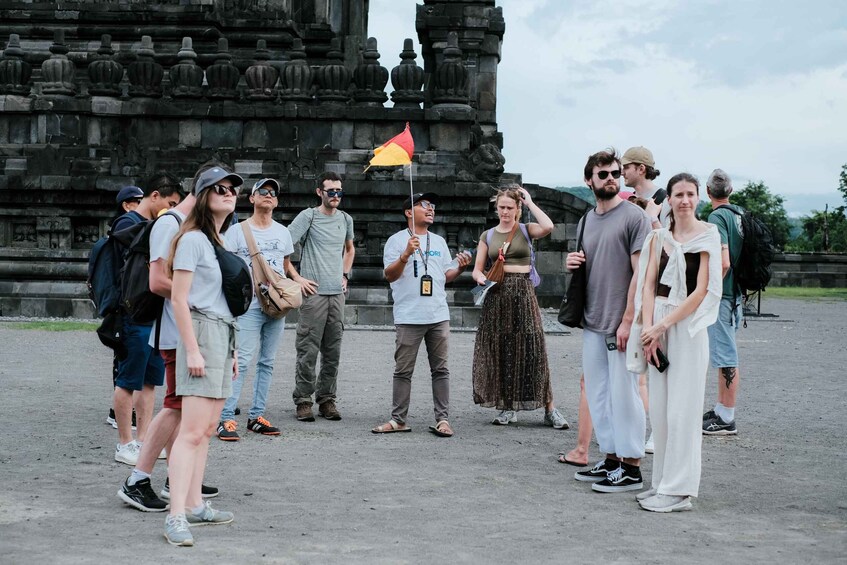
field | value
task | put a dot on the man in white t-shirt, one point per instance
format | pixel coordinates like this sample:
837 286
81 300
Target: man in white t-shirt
418 265
255 328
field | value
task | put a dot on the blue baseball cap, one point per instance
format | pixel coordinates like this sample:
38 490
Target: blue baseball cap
129 193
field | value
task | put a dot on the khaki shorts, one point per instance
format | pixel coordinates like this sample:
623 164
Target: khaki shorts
216 338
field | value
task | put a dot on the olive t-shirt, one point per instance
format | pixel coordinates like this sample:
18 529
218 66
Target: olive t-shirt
729 228
609 241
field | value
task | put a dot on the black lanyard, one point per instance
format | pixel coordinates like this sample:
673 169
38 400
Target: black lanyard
424 256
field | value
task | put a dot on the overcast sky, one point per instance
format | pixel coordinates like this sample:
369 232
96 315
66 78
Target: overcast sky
758 88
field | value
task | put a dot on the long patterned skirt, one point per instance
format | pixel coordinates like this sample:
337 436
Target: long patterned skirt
510 370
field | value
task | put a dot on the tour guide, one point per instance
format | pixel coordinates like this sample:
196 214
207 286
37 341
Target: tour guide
418 264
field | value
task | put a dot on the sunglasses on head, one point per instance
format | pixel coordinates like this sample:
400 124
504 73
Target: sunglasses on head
266 192
426 205
333 193
603 175
222 190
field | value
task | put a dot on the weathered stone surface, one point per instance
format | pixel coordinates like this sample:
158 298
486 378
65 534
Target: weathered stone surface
219 134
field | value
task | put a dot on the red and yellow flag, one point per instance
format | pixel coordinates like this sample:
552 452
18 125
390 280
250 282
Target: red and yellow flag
396 151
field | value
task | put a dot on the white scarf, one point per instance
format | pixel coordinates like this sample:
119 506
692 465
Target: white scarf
674 274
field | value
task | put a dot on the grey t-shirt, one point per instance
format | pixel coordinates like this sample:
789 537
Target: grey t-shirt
322 249
609 241
161 236
273 242
195 253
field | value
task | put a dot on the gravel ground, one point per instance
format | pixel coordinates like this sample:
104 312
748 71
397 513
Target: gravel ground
331 492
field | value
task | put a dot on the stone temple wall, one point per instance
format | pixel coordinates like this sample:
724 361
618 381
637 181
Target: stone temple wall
280 88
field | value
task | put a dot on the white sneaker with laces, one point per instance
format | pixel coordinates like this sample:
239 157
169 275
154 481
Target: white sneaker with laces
505 417
128 453
649 446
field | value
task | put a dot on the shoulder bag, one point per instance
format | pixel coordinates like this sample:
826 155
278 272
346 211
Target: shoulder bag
496 272
573 303
277 294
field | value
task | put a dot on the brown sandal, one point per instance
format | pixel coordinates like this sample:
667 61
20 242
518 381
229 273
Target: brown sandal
442 429
391 427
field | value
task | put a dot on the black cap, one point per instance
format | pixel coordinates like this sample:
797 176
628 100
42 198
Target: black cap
429 196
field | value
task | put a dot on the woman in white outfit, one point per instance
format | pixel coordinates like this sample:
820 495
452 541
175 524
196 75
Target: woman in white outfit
678 294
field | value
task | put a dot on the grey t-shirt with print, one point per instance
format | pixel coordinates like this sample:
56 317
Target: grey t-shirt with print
273 242
609 242
322 246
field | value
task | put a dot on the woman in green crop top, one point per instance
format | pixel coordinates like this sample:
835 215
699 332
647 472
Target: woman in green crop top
510 370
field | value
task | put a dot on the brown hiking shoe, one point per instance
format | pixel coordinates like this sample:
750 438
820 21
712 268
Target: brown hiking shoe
329 411
304 412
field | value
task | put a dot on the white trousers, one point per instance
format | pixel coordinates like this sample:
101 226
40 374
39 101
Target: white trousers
613 398
676 404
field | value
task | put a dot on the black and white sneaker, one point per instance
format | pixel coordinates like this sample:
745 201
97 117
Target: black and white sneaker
141 496
205 491
598 472
717 427
708 415
623 479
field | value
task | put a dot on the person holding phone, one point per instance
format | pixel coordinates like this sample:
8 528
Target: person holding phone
678 296
510 369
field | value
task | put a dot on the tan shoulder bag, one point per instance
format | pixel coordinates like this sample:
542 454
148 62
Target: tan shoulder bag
277 294
496 272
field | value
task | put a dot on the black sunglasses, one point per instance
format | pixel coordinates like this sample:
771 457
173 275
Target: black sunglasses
222 190
603 175
333 193
266 192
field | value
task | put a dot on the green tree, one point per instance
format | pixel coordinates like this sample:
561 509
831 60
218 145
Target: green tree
823 231
842 182
756 197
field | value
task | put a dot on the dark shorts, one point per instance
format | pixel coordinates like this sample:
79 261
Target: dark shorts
171 399
143 365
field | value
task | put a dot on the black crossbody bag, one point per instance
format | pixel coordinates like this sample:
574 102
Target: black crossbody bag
573 303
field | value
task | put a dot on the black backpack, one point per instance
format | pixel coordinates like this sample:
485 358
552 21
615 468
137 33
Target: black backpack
235 279
753 269
138 301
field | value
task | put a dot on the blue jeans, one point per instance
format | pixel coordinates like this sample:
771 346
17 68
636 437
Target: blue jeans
255 328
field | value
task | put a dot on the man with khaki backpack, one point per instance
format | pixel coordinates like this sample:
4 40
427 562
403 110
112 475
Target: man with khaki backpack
264 245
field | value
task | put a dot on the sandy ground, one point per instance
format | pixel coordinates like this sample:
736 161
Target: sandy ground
331 492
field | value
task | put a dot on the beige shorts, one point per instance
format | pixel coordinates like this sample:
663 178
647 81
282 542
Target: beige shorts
216 338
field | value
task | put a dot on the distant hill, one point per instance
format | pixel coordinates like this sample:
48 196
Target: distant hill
581 192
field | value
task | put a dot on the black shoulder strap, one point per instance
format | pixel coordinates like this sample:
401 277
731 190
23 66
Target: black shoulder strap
582 229
730 208
660 195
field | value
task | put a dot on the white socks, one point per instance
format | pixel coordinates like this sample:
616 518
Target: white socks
726 414
137 476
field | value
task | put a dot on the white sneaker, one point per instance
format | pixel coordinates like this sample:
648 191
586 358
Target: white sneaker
648 445
163 454
645 495
505 417
666 503
127 453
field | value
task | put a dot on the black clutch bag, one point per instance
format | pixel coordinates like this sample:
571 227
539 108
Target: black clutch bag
573 303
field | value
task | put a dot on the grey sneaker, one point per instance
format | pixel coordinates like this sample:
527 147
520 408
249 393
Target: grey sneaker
556 420
505 417
209 516
645 495
666 503
176 531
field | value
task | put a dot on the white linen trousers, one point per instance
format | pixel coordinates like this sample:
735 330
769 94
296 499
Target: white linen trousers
676 403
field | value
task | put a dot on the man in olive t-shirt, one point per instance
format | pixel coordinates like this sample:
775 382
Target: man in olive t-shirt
723 352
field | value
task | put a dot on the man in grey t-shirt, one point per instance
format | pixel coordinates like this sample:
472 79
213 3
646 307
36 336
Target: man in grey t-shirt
612 239
325 234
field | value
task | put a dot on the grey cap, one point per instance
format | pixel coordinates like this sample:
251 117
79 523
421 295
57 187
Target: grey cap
213 176
259 184
129 193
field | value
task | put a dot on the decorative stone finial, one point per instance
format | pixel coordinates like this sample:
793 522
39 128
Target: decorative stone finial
14 71
186 76
451 76
333 77
370 77
145 74
407 78
57 71
261 77
104 72
222 76
296 75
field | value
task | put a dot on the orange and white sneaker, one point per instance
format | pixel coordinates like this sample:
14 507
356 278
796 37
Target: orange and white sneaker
262 426
226 431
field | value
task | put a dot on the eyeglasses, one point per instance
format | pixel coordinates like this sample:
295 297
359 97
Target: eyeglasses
333 193
426 205
603 175
222 190
266 192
